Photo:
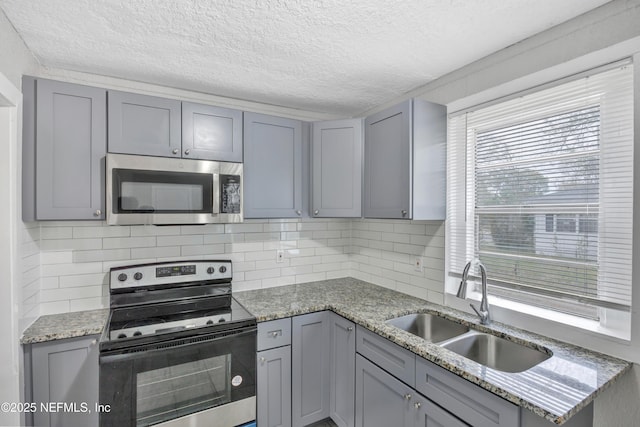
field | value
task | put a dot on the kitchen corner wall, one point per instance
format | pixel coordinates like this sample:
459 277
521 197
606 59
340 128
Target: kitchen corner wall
384 252
65 264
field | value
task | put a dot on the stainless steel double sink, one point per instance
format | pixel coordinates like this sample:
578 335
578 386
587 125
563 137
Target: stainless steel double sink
489 350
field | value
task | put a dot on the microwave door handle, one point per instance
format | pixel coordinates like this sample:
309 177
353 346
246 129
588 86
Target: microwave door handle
216 194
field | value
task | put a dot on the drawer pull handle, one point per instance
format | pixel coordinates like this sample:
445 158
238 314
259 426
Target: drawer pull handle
407 396
350 329
417 405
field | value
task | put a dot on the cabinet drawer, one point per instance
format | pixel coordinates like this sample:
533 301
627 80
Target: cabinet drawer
399 362
275 333
468 401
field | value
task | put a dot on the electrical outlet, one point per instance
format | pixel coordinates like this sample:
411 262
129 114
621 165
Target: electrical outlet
417 264
279 255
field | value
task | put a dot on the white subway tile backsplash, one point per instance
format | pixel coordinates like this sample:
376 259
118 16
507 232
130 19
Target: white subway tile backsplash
202 250
194 239
70 244
104 231
156 252
101 255
129 242
65 264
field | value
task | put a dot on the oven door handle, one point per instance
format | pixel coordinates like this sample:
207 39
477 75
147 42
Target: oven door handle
216 194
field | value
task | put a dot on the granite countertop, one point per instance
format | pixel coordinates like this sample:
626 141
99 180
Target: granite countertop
66 325
555 389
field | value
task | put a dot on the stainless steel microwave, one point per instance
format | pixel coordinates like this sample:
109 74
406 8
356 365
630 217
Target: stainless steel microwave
159 190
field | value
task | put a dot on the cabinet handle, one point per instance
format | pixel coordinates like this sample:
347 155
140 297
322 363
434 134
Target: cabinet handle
350 329
187 151
417 405
316 212
98 212
175 151
404 213
274 334
94 342
407 397
299 213
262 360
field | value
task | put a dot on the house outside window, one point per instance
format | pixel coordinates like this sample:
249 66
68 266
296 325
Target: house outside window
540 191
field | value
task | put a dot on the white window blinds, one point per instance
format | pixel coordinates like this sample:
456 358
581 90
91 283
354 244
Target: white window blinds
540 190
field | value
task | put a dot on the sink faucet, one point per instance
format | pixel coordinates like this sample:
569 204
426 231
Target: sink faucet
483 313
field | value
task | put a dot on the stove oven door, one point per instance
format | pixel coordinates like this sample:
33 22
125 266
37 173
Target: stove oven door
202 380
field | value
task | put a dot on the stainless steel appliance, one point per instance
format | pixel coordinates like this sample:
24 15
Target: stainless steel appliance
178 349
159 190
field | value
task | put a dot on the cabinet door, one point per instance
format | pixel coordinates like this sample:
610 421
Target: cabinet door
70 150
431 415
274 387
337 168
310 368
146 125
382 400
211 133
387 163
66 371
343 371
272 167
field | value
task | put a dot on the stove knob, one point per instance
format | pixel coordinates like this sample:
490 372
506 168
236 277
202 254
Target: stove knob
122 277
137 276
137 333
223 269
209 322
221 320
211 270
122 336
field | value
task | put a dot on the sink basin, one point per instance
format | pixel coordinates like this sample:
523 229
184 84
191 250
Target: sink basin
495 352
428 326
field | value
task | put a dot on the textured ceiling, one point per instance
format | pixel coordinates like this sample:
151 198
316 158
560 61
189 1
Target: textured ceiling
333 56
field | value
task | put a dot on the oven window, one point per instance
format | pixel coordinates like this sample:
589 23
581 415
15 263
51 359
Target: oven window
170 392
140 191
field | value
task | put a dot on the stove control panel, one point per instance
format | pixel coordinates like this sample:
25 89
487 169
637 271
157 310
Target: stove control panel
167 273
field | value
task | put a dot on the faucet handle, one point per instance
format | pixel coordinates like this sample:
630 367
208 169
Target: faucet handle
483 315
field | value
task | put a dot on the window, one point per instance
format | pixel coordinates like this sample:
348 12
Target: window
540 190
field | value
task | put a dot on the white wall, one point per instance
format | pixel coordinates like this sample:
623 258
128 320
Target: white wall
15 59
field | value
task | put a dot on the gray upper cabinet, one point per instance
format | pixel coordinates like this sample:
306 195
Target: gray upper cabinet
64 145
211 133
272 167
404 166
146 125
387 163
336 163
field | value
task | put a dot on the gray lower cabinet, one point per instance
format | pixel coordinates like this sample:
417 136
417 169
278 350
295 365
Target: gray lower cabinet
274 387
469 402
274 373
272 167
405 162
146 125
336 164
382 401
343 370
211 133
310 364
64 146
63 371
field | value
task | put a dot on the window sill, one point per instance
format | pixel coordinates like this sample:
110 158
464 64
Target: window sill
545 322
